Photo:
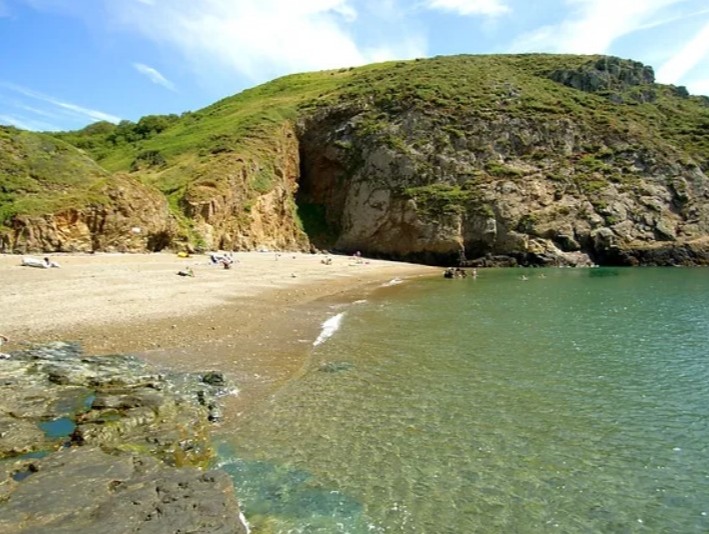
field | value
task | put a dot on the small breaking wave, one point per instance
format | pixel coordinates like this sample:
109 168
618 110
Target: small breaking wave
329 327
393 282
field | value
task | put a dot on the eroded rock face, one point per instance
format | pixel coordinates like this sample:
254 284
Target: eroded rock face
106 444
610 75
242 203
135 219
544 193
540 160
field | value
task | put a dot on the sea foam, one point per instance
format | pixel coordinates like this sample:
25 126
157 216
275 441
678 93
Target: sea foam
329 327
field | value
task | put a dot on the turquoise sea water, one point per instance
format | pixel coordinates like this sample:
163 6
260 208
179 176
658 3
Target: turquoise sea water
575 401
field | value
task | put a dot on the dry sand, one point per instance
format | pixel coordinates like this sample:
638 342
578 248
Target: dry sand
256 322
137 302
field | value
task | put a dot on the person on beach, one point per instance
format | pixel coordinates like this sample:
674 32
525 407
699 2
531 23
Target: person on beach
3 339
44 263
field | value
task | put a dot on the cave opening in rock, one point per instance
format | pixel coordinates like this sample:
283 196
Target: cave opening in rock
158 241
321 192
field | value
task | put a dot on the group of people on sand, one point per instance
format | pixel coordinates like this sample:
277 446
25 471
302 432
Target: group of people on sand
357 257
224 260
457 272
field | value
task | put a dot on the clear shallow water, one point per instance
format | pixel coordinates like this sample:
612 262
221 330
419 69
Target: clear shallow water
577 402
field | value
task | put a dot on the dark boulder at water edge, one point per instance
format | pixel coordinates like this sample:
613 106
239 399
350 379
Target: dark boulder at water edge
108 444
532 159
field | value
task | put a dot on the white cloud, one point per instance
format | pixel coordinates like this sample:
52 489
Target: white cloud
594 25
470 7
688 57
36 111
73 109
14 121
27 124
261 39
154 76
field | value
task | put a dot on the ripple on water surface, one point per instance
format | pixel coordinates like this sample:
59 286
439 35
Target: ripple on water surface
576 402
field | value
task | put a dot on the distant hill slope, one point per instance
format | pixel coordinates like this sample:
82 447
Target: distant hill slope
529 159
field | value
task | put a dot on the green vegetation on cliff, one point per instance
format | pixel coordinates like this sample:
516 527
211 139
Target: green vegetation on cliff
518 86
583 122
41 174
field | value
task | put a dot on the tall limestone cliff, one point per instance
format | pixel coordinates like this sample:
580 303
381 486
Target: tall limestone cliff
532 159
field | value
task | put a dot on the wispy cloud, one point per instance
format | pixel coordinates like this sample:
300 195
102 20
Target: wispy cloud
688 57
27 124
267 38
154 76
65 106
592 26
37 111
470 7
14 121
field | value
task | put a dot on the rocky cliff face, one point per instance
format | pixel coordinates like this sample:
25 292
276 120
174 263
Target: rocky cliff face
501 188
132 218
561 160
611 76
245 203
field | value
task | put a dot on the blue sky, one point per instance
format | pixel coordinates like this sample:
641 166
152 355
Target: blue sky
67 63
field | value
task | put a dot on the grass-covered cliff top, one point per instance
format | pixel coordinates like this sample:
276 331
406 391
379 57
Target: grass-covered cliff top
40 174
164 151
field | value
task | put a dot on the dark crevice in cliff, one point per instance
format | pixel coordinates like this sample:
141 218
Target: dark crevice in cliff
159 241
321 190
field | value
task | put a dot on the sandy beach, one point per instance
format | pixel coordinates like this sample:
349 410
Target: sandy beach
257 313
117 302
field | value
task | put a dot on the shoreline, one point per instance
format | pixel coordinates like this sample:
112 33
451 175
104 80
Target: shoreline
255 321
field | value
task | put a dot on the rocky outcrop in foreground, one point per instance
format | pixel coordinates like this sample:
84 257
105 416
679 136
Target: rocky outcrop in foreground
108 444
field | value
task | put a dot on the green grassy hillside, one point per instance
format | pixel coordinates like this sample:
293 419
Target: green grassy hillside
443 87
176 154
42 174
